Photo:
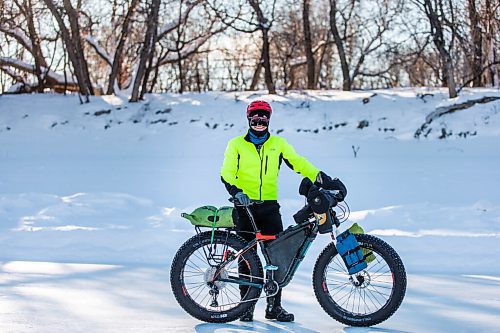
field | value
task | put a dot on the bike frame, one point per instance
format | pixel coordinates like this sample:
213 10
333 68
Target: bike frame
261 239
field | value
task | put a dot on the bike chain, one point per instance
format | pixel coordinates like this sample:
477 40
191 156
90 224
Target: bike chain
253 299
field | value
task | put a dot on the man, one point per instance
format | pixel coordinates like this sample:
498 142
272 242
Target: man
250 172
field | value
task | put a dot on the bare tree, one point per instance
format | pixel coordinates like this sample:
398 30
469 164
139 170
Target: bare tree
251 16
264 25
491 42
359 30
476 43
118 57
73 42
21 26
311 80
339 42
436 16
161 37
156 46
147 50
27 8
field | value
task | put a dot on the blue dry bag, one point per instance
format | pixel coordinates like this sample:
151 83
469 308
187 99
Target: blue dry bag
348 247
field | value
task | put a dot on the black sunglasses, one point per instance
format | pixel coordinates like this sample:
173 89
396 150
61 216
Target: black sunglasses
256 120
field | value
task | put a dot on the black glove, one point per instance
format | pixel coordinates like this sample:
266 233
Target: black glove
319 200
326 182
242 198
305 185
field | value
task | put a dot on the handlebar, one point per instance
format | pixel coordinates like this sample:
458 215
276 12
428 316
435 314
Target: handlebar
237 203
335 193
248 211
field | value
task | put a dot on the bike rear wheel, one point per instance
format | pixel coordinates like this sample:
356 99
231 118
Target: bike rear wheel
366 298
197 263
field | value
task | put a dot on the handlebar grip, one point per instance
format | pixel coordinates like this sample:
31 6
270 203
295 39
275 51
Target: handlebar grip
237 203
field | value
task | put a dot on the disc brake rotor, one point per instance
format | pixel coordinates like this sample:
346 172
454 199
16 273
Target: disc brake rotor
361 279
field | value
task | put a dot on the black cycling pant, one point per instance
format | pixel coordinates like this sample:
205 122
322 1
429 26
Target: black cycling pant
268 220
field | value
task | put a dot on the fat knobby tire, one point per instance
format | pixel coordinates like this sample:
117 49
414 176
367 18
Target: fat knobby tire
177 284
328 304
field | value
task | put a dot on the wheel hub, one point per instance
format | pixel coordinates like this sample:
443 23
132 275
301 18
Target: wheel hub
361 279
209 276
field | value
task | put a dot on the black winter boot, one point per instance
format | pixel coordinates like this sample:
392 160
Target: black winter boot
248 316
278 313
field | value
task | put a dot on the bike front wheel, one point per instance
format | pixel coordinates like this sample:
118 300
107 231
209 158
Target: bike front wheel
203 287
368 297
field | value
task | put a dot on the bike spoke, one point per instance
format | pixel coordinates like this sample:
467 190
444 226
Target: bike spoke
202 264
340 265
332 280
348 296
368 306
200 257
197 292
374 297
194 283
232 292
194 266
362 293
340 290
374 289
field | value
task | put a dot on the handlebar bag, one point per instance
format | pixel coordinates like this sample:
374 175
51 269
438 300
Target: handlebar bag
212 217
325 222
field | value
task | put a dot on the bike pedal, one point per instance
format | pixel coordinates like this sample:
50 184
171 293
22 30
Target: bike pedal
270 268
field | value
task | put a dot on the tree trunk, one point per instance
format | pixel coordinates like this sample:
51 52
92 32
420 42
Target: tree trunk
264 27
36 48
311 82
77 43
319 63
147 48
179 58
439 42
198 77
346 82
149 66
489 17
118 57
181 75
207 73
266 59
256 74
155 79
71 50
476 43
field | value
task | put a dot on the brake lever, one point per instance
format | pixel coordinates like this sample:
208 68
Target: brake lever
336 194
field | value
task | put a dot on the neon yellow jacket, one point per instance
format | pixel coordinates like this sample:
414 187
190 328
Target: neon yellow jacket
256 172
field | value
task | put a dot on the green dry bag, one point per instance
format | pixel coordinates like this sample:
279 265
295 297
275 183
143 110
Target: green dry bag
368 254
212 217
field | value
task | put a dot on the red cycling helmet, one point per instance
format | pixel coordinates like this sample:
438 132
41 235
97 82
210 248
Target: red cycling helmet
259 106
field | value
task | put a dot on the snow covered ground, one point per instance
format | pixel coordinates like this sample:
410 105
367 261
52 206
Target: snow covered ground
91 196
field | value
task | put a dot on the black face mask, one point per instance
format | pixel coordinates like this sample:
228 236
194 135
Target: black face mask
259 133
259 118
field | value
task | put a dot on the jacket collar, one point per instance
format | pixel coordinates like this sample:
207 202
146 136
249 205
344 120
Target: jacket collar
247 138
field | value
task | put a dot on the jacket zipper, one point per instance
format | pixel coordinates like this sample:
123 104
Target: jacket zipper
265 169
261 160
